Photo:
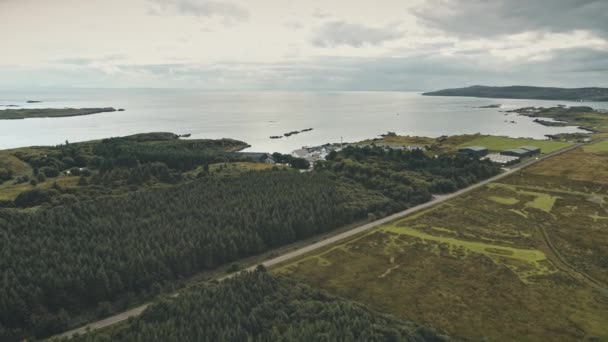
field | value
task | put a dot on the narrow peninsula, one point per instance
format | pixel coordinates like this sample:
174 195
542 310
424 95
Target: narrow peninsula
15 114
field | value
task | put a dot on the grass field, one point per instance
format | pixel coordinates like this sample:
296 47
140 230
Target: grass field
401 140
477 266
494 143
600 147
581 165
238 167
10 191
14 164
453 143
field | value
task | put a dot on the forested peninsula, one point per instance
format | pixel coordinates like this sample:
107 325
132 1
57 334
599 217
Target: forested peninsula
525 92
27 113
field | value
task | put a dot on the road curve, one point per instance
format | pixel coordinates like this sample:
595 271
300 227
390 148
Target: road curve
332 239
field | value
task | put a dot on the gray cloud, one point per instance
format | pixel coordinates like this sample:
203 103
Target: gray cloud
574 67
79 61
201 8
577 61
428 71
337 33
75 61
476 18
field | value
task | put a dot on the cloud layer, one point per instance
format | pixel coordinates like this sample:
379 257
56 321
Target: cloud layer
337 33
474 18
314 45
200 8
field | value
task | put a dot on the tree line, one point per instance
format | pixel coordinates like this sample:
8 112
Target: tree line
407 177
258 307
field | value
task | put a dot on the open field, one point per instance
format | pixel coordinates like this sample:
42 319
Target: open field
401 140
453 143
522 259
581 165
9 191
14 164
494 143
601 146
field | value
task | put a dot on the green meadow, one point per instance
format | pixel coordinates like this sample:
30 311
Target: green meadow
495 143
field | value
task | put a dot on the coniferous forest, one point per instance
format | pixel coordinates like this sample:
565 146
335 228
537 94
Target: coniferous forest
257 307
147 211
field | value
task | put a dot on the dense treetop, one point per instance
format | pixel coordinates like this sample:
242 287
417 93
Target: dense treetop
258 307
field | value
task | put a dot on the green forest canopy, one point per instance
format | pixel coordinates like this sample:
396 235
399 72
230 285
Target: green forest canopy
257 307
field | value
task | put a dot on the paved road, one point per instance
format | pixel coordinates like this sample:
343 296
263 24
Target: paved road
436 200
287 256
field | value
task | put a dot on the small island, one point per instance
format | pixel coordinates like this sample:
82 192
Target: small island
288 134
17 114
525 92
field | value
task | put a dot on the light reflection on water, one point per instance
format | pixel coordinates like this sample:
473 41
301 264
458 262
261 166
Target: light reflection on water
255 116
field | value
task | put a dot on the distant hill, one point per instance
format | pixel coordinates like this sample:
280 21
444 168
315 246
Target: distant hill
524 92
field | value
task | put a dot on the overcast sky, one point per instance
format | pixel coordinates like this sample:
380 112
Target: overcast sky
308 45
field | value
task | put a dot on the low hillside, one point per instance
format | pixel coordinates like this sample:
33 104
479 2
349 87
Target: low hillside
525 92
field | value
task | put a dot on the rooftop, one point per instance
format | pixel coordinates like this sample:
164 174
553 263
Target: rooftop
474 148
300 153
518 151
530 148
500 159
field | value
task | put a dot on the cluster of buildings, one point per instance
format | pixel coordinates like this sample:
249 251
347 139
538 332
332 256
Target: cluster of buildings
316 153
506 157
393 147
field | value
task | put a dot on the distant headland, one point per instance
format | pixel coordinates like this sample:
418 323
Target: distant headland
525 92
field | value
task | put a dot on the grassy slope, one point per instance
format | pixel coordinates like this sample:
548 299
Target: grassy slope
10 191
601 146
494 143
453 143
477 266
14 164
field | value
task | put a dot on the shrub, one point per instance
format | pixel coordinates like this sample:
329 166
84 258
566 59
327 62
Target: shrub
50 171
5 174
